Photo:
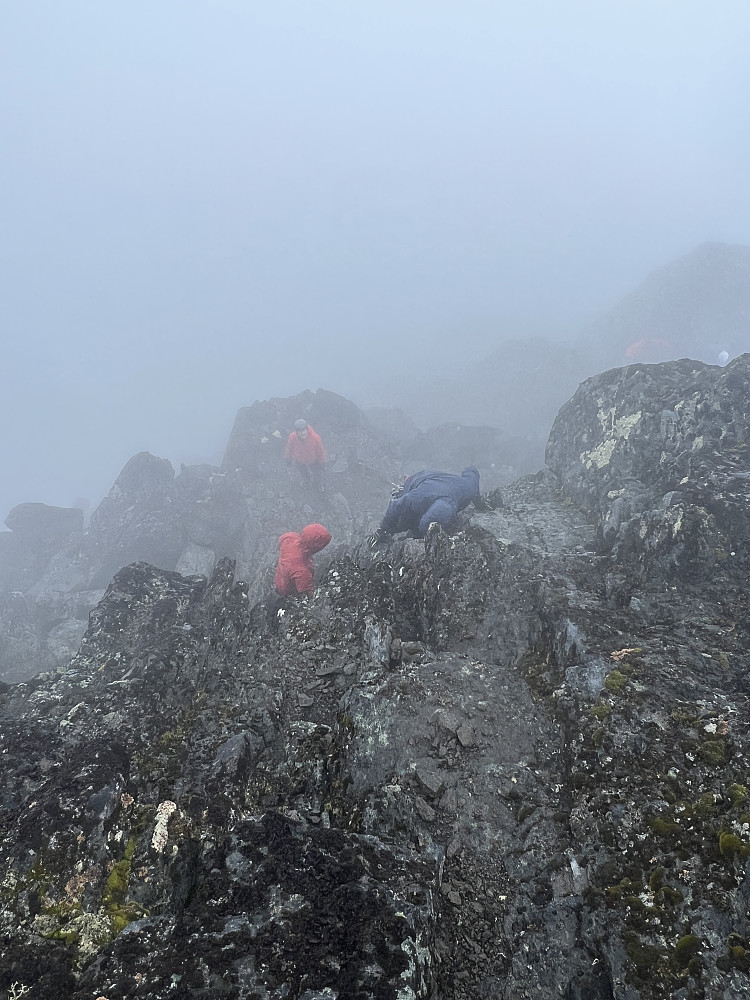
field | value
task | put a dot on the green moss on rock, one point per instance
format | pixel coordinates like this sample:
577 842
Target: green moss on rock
615 681
705 807
740 958
682 717
646 958
686 949
695 967
119 912
656 879
731 846
713 752
68 935
737 793
670 897
665 828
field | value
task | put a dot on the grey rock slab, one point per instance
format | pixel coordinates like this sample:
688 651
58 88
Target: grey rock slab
466 736
431 781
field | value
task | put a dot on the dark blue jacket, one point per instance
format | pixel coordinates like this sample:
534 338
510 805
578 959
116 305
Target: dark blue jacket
430 496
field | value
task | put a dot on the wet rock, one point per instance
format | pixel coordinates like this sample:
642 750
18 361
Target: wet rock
207 802
453 848
432 782
328 671
658 452
424 810
236 754
466 736
449 721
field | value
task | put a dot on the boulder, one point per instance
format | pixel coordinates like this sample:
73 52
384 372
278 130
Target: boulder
258 438
41 524
658 454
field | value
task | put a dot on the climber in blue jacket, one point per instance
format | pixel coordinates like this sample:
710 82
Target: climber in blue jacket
426 497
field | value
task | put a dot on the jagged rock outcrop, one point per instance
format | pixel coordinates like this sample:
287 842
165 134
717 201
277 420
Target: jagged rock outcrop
659 453
510 761
260 431
189 521
40 523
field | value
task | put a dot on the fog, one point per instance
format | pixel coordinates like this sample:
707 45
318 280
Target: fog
209 203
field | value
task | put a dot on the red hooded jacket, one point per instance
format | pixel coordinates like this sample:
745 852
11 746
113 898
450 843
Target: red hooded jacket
309 451
294 572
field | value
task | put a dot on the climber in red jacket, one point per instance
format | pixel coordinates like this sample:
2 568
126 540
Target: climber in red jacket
294 572
305 450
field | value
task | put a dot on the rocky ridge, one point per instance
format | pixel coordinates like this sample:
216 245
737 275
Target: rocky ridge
510 761
53 572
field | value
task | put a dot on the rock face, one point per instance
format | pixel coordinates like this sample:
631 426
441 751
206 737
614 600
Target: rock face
44 524
52 573
507 762
659 454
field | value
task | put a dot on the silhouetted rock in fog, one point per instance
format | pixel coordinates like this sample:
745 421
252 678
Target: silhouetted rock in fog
37 531
695 307
518 388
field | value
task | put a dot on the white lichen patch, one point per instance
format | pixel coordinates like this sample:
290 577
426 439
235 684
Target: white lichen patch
616 430
45 925
599 456
10 881
686 408
94 930
163 811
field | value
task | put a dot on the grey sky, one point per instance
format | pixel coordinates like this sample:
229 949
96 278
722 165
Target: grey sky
205 203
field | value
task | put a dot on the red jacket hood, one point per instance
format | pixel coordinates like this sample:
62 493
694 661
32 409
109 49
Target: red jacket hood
314 537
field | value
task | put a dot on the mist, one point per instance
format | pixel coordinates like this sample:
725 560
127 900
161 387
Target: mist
207 204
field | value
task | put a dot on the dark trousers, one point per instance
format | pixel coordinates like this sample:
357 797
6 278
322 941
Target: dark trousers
311 474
